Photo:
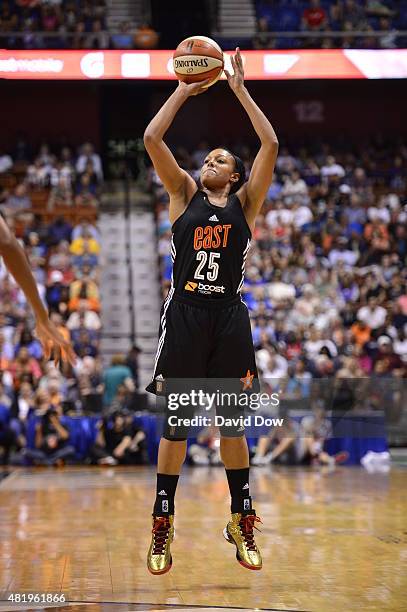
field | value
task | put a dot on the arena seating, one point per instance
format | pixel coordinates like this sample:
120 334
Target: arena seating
321 20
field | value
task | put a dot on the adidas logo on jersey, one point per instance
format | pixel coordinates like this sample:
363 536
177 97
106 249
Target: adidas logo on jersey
246 486
213 218
162 492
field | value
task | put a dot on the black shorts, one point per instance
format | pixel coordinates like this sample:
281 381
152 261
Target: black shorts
206 346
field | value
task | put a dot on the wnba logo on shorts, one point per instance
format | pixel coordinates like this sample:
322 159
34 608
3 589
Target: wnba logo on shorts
190 286
165 505
246 504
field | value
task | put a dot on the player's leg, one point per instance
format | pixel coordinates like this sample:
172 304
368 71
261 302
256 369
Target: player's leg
181 357
233 359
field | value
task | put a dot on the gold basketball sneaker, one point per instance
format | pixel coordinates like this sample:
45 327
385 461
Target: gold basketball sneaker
159 560
239 531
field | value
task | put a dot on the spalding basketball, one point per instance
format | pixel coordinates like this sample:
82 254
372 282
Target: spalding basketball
198 58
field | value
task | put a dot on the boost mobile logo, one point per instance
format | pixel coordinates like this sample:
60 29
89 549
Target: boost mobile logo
190 286
207 289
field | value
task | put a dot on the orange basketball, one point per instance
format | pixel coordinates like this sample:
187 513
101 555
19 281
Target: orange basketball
198 58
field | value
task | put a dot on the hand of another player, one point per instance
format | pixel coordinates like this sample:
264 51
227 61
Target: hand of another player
51 339
236 80
193 89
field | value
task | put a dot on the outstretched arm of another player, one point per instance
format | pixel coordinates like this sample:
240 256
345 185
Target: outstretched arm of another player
173 177
255 190
16 263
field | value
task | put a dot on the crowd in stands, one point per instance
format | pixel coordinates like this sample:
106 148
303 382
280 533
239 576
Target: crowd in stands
82 24
326 274
36 397
376 23
67 24
69 179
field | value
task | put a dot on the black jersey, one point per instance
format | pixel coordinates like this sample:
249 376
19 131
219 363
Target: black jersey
209 249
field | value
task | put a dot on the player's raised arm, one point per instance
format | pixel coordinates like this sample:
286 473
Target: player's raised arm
175 180
255 190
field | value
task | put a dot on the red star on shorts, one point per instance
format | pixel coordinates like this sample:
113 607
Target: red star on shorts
247 380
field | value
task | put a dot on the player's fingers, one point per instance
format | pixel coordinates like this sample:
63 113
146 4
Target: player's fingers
47 349
203 86
227 73
57 354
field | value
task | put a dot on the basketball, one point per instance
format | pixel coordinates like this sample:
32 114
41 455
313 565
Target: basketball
198 58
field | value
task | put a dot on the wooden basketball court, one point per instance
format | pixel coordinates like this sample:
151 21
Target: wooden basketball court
334 541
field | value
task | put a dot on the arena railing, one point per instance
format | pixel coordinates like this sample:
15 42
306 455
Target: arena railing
44 38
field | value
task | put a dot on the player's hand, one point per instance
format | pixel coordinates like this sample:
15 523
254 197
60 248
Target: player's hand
236 80
193 89
52 340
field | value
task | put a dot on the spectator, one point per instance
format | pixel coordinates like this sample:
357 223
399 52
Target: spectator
145 37
25 368
8 441
84 345
386 358
51 441
314 17
263 39
361 332
281 445
19 204
88 155
124 38
86 192
117 374
294 188
59 231
315 430
372 314
132 362
33 345
6 162
80 37
206 450
22 409
119 442
84 289
85 244
6 352
332 170
38 173
97 39
91 385
85 228
354 14
83 317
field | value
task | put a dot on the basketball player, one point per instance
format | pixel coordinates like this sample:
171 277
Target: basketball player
205 329
16 263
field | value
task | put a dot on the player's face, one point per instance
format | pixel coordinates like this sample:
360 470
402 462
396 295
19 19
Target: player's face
218 170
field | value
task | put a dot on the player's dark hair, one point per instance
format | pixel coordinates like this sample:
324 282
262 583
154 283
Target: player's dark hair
240 169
